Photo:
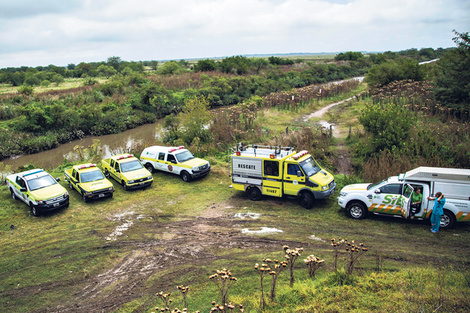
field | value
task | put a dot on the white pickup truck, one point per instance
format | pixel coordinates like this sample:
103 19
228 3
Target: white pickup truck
392 195
39 190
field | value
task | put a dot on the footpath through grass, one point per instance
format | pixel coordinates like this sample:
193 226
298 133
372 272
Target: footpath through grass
115 255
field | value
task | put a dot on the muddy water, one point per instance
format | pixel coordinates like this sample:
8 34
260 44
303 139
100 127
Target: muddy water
109 144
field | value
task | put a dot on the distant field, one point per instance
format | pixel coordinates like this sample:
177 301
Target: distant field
67 84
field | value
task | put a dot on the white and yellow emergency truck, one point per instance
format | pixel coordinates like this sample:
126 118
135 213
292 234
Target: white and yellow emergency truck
89 181
175 160
278 171
392 195
39 190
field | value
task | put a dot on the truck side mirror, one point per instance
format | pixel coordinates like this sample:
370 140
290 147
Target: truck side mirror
378 191
58 179
299 174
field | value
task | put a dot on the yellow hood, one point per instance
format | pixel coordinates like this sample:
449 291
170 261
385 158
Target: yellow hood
48 192
322 178
96 185
137 174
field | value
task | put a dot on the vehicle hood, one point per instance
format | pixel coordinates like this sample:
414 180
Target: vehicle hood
195 162
137 174
48 192
321 178
96 185
355 187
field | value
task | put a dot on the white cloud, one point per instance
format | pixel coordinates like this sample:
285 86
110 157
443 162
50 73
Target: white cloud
60 32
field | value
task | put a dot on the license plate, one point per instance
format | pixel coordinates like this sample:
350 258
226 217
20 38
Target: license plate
101 195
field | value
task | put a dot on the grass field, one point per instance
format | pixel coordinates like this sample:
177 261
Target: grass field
115 255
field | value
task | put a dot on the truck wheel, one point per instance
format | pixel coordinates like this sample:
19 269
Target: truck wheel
254 193
13 194
70 186
106 173
149 168
447 220
306 200
123 183
33 209
185 176
85 199
357 210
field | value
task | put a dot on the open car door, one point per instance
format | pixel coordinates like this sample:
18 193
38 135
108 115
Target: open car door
406 201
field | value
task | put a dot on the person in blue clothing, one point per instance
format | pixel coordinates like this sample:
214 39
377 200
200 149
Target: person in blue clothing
437 211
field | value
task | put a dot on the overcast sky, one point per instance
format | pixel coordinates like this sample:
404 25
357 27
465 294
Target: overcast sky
60 32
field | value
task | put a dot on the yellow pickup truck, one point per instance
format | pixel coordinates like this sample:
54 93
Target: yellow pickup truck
127 170
89 181
39 190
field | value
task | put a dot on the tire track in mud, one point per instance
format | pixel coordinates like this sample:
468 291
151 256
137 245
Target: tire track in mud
194 238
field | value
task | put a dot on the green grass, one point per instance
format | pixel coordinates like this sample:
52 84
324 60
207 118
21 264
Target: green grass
184 232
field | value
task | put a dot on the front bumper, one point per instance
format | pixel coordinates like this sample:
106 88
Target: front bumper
325 194
141 184
53 206
99 194
201 173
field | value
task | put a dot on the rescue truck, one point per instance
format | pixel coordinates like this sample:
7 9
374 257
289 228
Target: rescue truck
89 181
39 190
392 195
127 170
278 171
176 160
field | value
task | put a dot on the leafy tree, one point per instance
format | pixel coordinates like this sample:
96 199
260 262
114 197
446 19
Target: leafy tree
389 125
236 64
114 62
58 79
194 120
106 70
279 61
453 81
259 64
206 65
389 71
349 56
170 68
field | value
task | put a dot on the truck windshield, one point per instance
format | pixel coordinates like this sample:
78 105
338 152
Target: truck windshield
377 184
310 167
41 182
184 156
91 176
130 166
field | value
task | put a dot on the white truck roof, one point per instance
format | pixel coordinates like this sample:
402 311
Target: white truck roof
437 174
265 152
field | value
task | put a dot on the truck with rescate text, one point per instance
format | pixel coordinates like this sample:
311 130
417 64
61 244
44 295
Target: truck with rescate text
127 171
89 181
39 190
279 171
392 195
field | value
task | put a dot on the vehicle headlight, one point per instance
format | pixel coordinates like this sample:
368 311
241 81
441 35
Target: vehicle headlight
131 181
343 194
41 201
150 177
66 195
195 168
324 187
110 188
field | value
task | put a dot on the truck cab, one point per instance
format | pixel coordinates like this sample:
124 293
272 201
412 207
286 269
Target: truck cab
39 190
175 160
89 181
278 171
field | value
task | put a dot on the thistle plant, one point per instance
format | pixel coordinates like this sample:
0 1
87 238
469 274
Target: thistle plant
355 252
313 264
336 248
223 279
184 292
291 255
166 298
262 270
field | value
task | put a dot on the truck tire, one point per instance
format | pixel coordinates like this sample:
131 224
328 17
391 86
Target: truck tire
13 194
149 168
106 173
306 200
357 210
85 199
70 186
447 220
185 176
123 183
254 193
34 211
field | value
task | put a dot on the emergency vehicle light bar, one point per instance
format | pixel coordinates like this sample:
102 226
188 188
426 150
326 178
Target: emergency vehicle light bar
125 156
174 149
300 154
86 166
35 172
